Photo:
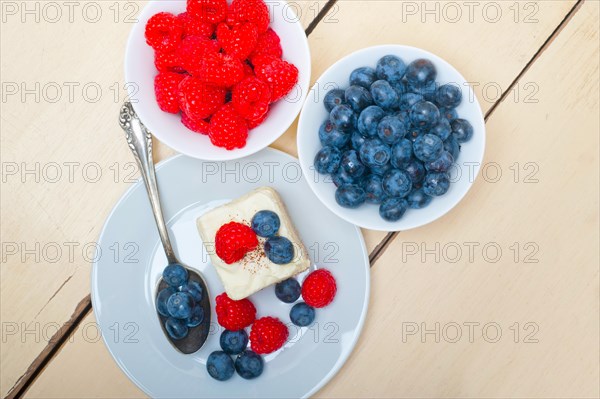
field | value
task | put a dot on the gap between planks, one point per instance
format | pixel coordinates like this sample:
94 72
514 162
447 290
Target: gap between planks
84 307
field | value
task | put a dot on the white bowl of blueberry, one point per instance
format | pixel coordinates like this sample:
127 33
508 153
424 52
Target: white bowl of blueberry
391 137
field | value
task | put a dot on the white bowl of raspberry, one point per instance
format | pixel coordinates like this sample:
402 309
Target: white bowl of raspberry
217 81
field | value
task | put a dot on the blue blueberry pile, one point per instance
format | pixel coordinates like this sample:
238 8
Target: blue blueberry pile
289 291
391 137
278 249
221 365
180 302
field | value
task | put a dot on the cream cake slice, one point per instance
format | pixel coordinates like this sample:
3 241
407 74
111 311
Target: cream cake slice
255 271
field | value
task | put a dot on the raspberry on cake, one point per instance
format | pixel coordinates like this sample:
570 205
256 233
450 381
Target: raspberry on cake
254 271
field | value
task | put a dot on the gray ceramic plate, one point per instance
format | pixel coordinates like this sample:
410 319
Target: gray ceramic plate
123 281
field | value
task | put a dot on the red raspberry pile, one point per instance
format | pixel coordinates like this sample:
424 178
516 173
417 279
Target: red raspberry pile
220 66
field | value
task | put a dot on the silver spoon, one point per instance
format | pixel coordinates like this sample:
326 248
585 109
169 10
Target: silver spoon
140 142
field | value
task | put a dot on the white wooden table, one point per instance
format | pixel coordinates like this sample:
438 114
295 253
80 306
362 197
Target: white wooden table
499 298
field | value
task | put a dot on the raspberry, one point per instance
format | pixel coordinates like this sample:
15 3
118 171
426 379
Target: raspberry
168 61
195 125
199 100
279 74
268 44
318 289
239 41
166 90
234 315
252 123
228 129
251 98
254 11
196 27
193 50
267 335
234 240
213 11
164 31
248 71
220 70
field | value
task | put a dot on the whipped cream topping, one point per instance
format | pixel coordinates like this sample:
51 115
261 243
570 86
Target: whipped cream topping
255 271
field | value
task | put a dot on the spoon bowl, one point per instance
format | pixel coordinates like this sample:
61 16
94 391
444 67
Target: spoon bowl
189 344
140 143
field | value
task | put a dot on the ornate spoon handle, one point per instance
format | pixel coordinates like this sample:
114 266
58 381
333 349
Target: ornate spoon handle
140 142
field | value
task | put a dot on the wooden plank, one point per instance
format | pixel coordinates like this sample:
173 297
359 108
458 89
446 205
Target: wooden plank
555 223
64 161
364 376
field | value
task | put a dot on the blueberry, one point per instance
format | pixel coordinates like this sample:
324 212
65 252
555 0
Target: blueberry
358 98
403 117
409 99
330 136
400 88
417 199
381 170
357 140
162 298
180 305
369 119
176 328
175 275
279 250
397 183
452 146
428 147
220 366
436 184
373 187
424 114
420 73
350 196
288 291
428 92
415 170
392 209
364 77
233 342
448 113
384 94
302 315
196 317
249 365
328 160
390 68
462 130
265 223
448 96
442 129
342 117
341 177
375 153
413 134
194 289
352 164
332 98
391 129
441 164
402 152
